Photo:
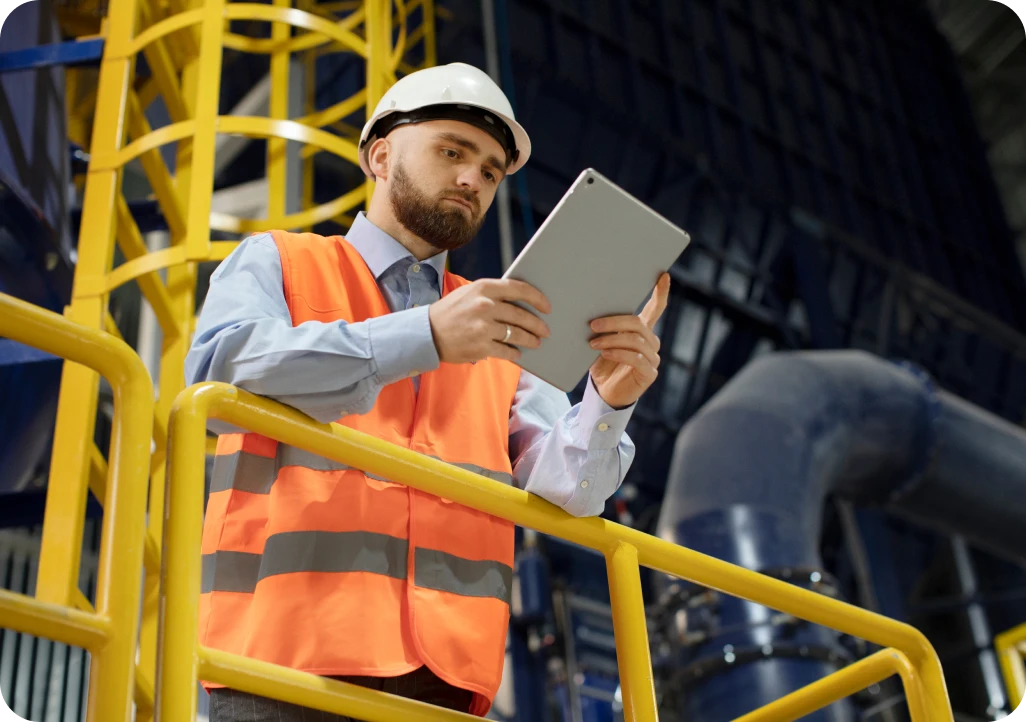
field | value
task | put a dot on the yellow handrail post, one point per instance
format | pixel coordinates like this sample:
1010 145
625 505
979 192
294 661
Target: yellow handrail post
631 633
1011 650
110 632
181 575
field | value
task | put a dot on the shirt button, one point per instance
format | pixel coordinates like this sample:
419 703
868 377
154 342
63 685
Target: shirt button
584 484
603 427
415 268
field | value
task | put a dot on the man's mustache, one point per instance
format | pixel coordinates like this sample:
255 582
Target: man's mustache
466 196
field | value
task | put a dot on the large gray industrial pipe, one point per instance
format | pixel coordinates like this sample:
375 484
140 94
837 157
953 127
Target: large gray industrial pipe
753 468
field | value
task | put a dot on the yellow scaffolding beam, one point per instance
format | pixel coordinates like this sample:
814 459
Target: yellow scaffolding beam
183 42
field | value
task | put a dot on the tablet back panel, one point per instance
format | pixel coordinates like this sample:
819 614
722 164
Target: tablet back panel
599 253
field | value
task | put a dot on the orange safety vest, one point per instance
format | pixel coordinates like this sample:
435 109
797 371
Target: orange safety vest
316 566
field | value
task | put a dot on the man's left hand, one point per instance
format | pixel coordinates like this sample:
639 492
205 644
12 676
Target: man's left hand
630 350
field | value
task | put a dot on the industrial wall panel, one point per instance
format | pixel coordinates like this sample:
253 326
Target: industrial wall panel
851 111
821 155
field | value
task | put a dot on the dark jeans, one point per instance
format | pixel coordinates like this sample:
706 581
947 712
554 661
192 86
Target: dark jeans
229 705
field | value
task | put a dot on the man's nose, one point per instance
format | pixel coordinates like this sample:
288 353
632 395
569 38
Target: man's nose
469 180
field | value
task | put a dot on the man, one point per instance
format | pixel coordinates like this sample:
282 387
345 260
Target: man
319 567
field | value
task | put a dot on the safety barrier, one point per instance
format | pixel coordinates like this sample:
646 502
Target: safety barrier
907 652
1011 650
109 633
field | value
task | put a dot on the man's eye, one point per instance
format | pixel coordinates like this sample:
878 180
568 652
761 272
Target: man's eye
490 177
450 153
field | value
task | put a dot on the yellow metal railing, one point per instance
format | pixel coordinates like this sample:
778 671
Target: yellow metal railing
109 632
1011 651
907 652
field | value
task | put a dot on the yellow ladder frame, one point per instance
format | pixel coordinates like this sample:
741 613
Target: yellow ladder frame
183 42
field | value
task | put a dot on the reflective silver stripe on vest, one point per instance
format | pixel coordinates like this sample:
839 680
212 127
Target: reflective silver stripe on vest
305 551
294 456
243 471
340 552
256 474
466 577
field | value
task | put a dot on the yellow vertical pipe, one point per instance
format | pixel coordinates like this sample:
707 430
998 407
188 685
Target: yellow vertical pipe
61 548
631 632
181 284
112 668
378 26
310 90
180 588
207 94
278 109
430 42
177 659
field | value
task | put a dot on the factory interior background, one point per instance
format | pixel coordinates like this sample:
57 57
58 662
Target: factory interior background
842 398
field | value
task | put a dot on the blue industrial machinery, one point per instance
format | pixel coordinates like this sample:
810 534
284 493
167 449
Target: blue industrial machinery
813 425
35 259
824 159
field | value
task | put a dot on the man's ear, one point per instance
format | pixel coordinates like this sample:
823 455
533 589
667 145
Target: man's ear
379 158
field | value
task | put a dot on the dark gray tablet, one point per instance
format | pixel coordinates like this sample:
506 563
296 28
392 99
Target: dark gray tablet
599 253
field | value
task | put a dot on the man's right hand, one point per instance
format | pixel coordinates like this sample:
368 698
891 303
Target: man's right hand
470 323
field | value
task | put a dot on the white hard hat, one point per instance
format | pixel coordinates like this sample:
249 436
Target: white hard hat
456 92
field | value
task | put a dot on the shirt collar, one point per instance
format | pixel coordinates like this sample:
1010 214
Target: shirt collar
380 251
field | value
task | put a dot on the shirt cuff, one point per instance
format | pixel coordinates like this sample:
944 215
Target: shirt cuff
402 344
605 424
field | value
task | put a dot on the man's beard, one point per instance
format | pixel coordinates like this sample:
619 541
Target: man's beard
445 228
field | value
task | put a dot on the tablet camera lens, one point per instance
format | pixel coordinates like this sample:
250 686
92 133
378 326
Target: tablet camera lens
590 181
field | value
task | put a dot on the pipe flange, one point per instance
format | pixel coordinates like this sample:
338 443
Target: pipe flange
736 656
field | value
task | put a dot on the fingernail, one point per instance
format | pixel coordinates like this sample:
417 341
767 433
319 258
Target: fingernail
596 325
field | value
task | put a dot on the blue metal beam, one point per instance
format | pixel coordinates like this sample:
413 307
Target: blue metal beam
74 52
13 353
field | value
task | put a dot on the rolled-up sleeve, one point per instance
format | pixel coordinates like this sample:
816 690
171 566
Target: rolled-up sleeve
244 336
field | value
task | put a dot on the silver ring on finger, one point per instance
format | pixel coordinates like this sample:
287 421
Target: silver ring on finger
509 332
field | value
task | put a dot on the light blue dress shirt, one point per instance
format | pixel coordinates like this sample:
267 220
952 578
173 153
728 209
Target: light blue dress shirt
574 457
